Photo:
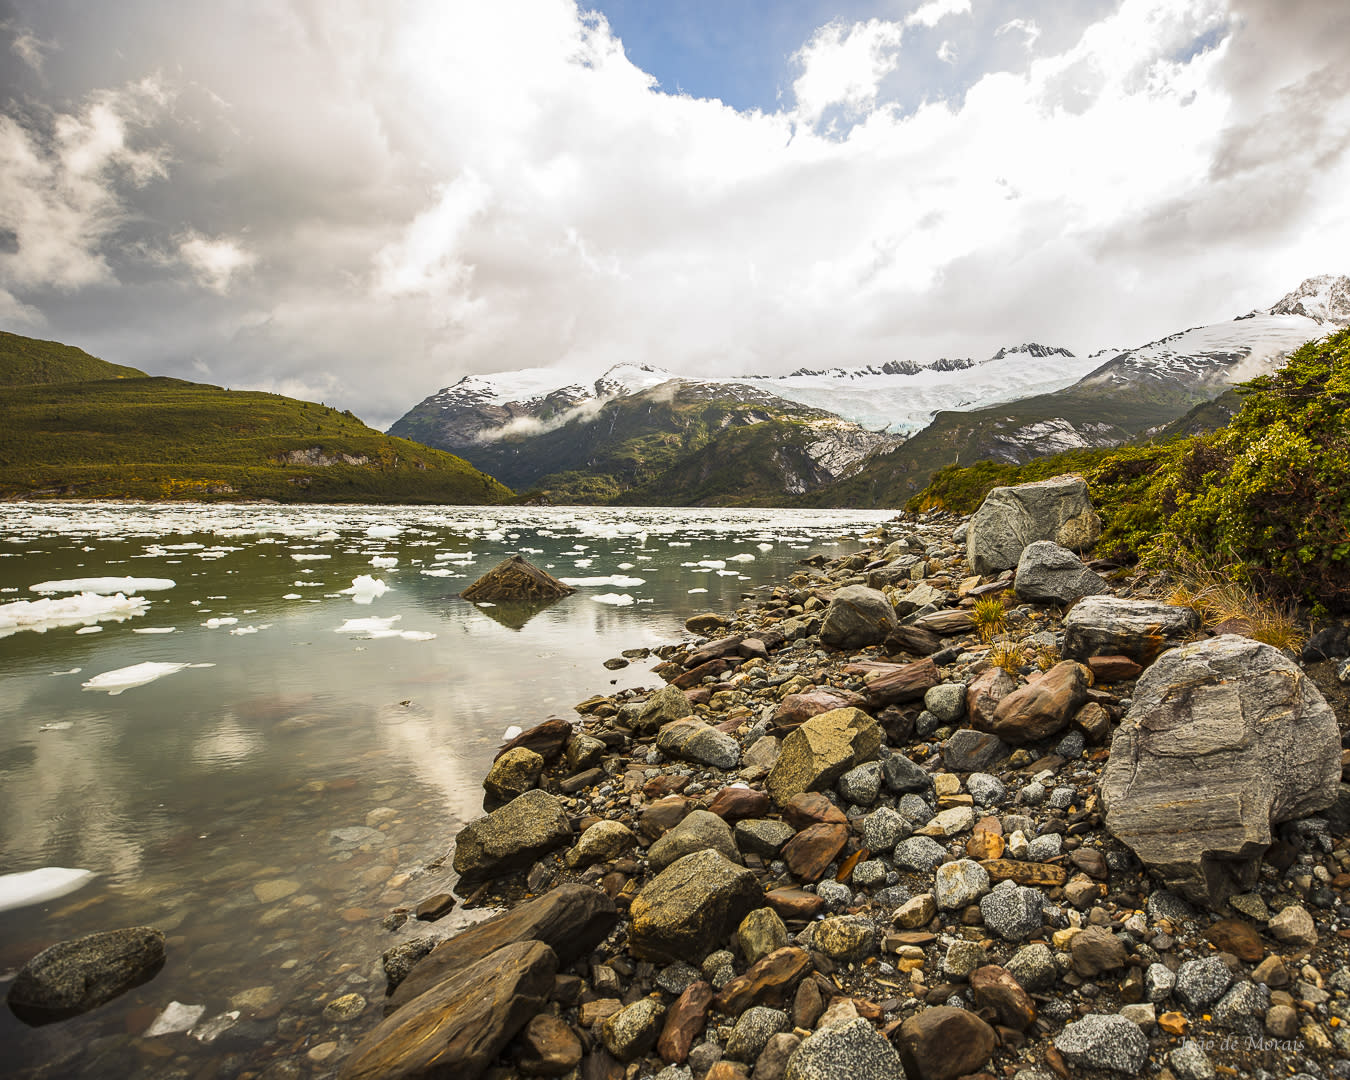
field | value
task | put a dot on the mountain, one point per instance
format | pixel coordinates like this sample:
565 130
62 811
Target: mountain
1177 384
639 434
74 426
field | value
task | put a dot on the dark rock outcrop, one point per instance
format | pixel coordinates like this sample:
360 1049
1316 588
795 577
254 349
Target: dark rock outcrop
72 977
516 581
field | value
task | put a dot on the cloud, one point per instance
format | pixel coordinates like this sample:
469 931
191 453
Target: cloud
379 203
934 11
28 47
1026 27
947 52
844 65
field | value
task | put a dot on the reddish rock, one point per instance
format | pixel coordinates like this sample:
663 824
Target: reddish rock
546 739
912 640
808 1005
659 818
795 709
769 981
908 682
947 622
714 650
684 1023
1040 709
943 1043
794 903
733 804
1093 721
1096 950
727 1070
694 676
995 987
547 1047
1238 938
813 849
1108 669
812 808
983 694
658 787
1090 861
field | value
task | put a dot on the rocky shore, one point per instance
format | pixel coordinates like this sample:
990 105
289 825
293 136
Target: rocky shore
853 836
961 804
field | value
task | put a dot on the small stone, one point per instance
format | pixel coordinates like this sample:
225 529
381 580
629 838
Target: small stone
1045 847
514 773
1143 1014
847 938
861 785
1033 966
1189 1062
631 1032
1238 938
884 828
602 842
1202 982
754 1028
1013 912
994 987
548 1047
958 884
986 790
1099 1041
916 912
1096 950
1240 1009
962 958
1293 927
762 836
940 1043
1159 981
760 933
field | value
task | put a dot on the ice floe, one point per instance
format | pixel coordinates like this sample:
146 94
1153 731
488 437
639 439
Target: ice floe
35 886
365 589
383 532
309 557
114 682
382 627
103 585
619 581
214 623
384 562
86 609
153 629
89 630
615 599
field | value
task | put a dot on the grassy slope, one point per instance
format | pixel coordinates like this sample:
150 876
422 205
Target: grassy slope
133 436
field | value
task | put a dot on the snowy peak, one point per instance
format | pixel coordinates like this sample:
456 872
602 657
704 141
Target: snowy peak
1032 349
1325 299
624 379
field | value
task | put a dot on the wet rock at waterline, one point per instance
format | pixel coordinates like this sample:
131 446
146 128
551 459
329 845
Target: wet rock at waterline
511 838
1226 738
459 1026
516 581
72 977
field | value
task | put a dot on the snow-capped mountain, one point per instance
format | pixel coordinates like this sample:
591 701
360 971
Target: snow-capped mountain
1324 299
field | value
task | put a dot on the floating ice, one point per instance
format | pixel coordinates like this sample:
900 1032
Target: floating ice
309 558
383 531
764 547
57 725
365 589
617 580
692 591
291 596
72 671
744 556
114 682
214 1028
384 562
103 585
35 886
616 599
175 1017
214 623
511 732
415 635
438 573
153 629
238 630
86 609
625 566
382 627
89 630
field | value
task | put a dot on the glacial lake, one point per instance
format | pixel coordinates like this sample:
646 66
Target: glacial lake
269 749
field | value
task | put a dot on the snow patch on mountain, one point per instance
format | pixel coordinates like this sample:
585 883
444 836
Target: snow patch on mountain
1324 299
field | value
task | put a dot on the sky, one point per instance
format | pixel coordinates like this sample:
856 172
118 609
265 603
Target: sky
361 201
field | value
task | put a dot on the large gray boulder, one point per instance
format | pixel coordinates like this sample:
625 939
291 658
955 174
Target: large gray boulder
74 976
511 838
1050 574
1116 626
857 617
1010 518
1226 738
820 751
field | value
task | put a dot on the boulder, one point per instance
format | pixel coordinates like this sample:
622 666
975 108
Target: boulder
1098 1041
699 831
847 1051
1225 739
571 919
1050 574
516 580
511 838
514 773
664 706
1042 708
984 692
632 1031
1115 626
460 1025
693 740
857 617
1010 518
603 841
945 1042
691 907
75 976
820 751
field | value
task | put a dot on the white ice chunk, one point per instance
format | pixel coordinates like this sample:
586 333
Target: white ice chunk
103 585
89 630
238 630
309 558
511 732
35 886
438 573
384 562
383 531
85 609
175 1017
153 629
416 635
114 682
744 556
764 547
291 596
365 589
619 581
692 591
215 623
616 599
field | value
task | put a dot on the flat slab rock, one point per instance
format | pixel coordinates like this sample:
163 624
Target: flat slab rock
1225 739
72 977
1116 626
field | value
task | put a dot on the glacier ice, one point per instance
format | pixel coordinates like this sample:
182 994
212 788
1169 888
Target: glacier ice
35 886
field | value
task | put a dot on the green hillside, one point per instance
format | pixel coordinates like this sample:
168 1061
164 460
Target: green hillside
27 361
123 434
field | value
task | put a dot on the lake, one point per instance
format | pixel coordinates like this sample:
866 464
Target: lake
272 737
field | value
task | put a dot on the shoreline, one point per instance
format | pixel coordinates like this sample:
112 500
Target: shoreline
869 948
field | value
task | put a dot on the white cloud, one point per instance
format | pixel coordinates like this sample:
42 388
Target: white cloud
214 261
844 66
1027 27
934 11
947 52
29 48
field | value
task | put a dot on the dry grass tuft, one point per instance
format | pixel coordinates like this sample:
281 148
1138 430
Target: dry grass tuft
989 614
1226 604
1008 655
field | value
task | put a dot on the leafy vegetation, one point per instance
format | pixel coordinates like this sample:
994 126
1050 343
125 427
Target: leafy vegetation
1263 502
134 436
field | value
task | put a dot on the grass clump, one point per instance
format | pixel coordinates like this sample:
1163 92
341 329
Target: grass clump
1008 655
990 618
1226 604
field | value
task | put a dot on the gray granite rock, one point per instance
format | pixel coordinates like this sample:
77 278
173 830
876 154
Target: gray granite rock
1050 574
1201 982
849 1051
1013 912
1100 1041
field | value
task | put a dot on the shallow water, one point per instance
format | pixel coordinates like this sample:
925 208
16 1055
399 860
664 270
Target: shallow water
287 775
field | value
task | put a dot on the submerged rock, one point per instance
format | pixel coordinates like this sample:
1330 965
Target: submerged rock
516 580
1226 739
74 976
